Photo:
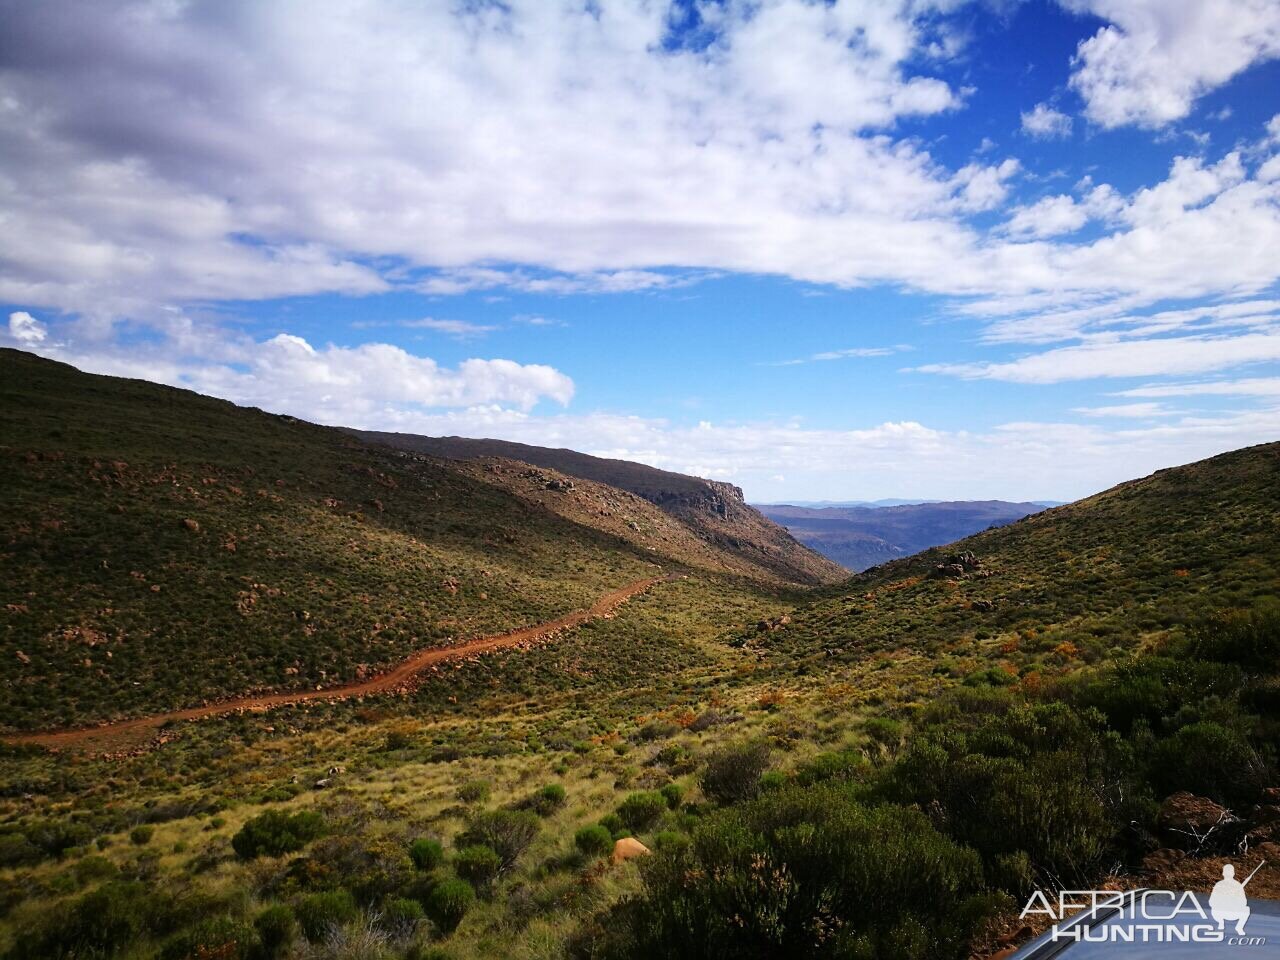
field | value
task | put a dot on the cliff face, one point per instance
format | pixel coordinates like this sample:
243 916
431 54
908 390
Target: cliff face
715 497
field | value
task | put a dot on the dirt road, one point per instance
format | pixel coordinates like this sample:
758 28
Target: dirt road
115 736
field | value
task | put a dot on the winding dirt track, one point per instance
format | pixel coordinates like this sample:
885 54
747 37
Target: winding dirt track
116 735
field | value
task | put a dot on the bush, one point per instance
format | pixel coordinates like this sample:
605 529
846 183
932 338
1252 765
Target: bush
93 868
478 865
668 841
1210 760
673 793
402 916
142 834
277 929
613 823
370 867
548 800
1251 640
593 841
508 832
833 765
449 902
858 882
426 854
1050 772
640 811
476 791
101 923
732 773
321 912
275 832
220 937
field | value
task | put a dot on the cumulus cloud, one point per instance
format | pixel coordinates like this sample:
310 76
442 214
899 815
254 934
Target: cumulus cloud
351 386
1155 58
26 329
1044 122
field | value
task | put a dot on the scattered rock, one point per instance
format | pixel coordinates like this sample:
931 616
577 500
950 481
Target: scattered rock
192 525
628 848
958 565
23 658
323 784
983 606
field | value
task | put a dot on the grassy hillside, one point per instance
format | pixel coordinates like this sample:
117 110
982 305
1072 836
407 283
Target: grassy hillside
163 548
1071 584
711 511
859 537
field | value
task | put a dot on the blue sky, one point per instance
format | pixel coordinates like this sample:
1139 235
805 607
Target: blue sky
917 248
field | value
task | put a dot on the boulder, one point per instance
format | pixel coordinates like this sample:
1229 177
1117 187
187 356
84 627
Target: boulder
628 848
983 606
192 525
1191 822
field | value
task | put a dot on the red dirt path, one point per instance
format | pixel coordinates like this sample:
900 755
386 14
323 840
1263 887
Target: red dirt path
125 732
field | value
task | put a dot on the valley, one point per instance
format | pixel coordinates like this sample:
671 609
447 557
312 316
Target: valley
414 707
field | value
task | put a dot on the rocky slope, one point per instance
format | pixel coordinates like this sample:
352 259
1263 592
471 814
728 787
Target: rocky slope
713 512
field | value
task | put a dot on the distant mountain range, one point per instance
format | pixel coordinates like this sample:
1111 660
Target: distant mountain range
862 535
889 502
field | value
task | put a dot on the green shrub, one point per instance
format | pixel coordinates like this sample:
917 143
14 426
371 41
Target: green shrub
319 913
93 868
773 779
1210 760
17 851
141 834
833 765
613 823
402 916
277 929
805 872
668 841
101 923
594 840
478 865
426 854
449 902
1249 639
673 793
221 937
732 773
1050 772
475 791
548 800
508 832
640 811
276 832
371 867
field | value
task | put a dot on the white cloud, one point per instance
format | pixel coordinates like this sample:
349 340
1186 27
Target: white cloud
1127 410
1044 122
1169 356
848 353
1155 58
352 386
1246 387
26 329
459 329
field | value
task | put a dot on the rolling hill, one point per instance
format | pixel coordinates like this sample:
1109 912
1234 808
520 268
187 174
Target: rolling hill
859 537
164 549
1085 579
713 512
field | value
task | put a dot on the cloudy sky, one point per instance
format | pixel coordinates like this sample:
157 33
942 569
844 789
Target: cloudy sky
885 248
